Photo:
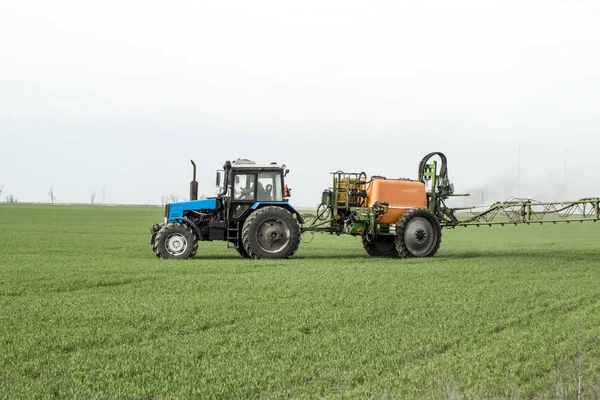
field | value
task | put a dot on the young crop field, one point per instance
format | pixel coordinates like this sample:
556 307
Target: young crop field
88 311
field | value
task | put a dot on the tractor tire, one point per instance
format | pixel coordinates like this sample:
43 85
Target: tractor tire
271 232
242 251
418 234
383 246
175 241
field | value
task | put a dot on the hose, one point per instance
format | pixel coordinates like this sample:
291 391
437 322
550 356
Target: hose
423 163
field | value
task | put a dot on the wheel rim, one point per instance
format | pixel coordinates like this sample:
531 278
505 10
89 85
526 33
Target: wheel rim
176 244
273 236
420 236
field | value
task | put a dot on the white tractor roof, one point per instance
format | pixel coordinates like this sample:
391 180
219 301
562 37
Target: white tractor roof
246 163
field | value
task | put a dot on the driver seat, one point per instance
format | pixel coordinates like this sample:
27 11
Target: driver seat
261 193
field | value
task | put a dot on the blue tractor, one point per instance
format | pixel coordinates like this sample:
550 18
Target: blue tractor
251 213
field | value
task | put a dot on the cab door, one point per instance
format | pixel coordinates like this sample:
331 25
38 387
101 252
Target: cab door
243 195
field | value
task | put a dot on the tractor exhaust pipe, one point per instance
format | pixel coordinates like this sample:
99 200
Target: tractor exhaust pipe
194 185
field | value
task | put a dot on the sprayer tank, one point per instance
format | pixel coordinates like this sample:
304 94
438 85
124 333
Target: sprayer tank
400 194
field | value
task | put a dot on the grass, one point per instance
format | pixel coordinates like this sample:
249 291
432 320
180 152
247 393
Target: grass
87 311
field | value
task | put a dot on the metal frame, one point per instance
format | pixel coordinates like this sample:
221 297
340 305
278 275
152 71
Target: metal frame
352 180
527 211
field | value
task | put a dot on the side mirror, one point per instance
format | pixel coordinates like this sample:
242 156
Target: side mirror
218 181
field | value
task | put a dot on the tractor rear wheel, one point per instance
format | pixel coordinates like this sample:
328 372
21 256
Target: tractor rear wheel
271 232
175 241
418 234
382 246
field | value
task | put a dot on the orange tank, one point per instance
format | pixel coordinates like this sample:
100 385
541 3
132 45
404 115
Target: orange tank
400 194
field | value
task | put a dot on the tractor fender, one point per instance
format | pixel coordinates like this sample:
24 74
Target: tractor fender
283 204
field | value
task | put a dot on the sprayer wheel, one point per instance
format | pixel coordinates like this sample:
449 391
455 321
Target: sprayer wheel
418 234
382 246
175 241
271 232
242 251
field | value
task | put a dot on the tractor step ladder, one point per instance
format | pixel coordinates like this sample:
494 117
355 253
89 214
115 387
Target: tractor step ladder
233 230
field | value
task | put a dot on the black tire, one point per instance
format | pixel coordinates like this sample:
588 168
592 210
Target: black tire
175 241
418 234
382 246
271 232
242 251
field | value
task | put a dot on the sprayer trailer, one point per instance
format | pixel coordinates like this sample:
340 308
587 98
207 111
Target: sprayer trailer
393 217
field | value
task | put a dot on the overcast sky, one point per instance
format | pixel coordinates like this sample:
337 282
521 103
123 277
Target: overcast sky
120 95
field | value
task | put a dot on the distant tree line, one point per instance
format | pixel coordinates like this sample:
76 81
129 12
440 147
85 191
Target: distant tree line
173 198
10 198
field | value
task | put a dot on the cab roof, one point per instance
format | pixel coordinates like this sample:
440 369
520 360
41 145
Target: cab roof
246 163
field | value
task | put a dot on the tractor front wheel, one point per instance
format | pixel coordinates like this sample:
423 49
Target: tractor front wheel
271 232
175 241
418 234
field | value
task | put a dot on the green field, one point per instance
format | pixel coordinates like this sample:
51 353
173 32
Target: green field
88 311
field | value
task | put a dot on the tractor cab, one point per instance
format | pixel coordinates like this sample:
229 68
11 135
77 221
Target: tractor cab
247 183
253 182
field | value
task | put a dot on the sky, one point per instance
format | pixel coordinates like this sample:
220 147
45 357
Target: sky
115 97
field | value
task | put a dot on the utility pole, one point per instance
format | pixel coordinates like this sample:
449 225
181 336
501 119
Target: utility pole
519 173
482 201
565 175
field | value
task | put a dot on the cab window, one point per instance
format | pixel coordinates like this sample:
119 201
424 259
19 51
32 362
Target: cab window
269 186
243 187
